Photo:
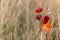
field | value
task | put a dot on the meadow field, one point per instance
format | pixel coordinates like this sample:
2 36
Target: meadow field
18 20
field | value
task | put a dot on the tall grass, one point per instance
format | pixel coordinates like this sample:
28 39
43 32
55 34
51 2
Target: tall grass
17 20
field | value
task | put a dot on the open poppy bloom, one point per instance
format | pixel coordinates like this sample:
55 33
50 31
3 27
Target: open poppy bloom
45 20
38 10
47 27
38 17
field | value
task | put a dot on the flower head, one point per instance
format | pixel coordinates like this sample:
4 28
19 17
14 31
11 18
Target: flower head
47 27
38 17
45 20
38 10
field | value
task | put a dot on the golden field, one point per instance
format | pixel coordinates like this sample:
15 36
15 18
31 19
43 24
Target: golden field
17 20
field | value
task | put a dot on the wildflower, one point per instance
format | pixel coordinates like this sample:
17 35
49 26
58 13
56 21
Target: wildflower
47 27
38 10
45 20
38 17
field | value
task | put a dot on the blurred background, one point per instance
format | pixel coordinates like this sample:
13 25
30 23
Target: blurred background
18 22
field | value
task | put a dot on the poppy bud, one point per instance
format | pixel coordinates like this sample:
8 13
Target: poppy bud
38 17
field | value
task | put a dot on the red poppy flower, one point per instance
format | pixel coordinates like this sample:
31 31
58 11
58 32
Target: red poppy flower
45 20
38 17
38 10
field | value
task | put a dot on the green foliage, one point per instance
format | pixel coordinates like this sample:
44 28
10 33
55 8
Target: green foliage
5 38
21 29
